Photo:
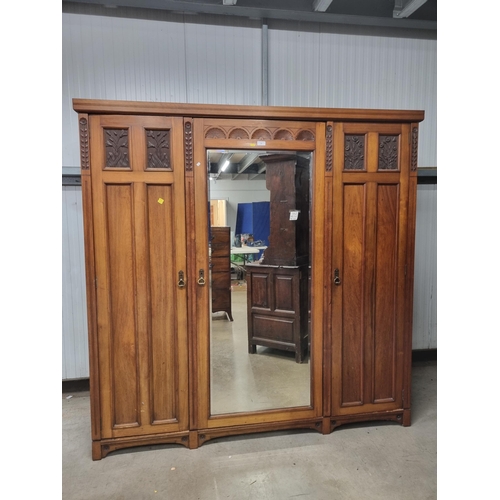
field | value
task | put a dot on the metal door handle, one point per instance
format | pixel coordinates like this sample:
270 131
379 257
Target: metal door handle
336 279
201 278
181 283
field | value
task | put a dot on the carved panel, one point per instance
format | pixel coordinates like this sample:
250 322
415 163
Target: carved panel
260 134
388 152
354 155
414 148
215 133
305 135
116 141
84 144
283 135
188 144
329 148
238 133
158 146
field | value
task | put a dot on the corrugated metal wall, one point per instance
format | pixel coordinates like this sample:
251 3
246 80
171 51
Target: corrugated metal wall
325 69
213 59
74 312
425 288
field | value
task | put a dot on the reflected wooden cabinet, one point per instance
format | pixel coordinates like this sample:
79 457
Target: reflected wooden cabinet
277 308
146 223
277 287
220 268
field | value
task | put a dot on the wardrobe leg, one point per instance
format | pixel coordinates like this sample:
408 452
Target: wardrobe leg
326 426
406 418
96 450
193 440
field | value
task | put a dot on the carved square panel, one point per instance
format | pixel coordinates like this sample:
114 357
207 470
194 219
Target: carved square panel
158 149
388 152
354 152
116 146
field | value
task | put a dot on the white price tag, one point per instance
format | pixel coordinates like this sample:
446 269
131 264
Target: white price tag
294 214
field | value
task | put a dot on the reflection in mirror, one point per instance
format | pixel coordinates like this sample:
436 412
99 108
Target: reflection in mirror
260 273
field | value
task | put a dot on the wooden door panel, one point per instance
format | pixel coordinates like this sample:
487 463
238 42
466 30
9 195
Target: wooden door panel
352 311
162 303
259 287
369 206
385 297
122 305
140 246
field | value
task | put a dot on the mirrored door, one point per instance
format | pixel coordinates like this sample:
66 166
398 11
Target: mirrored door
259 276
257 341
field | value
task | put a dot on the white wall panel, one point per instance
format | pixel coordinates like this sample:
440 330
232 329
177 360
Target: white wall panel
145 60
223 61
116 58
425 287
308 68
214 59
294 59
75 356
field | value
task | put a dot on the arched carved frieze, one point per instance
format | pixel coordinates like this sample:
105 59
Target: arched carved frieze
283 134
238 133
305 135
266 133
84 143
215 133
262 134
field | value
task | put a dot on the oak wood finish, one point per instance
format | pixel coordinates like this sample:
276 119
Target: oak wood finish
207 420
96 106
370 251
144 187
139 245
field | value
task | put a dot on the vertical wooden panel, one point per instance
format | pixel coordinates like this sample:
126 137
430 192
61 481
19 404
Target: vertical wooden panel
162 305
284 293
119 203
353 300
260 290
385 291
139 241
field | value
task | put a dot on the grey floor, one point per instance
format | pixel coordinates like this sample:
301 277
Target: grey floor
376 461
242 382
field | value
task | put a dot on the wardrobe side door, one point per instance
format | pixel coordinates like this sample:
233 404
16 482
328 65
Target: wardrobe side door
369 252
137 170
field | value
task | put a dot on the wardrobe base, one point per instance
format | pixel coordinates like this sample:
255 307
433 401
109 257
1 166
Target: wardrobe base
194 439
101 448
401 416
205 435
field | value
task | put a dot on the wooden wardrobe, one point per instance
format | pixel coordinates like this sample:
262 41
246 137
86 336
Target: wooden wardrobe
146 224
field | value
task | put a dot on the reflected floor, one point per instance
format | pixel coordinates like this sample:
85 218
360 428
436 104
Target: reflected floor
243 382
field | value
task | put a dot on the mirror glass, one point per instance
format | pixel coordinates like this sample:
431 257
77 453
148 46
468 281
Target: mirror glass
259 253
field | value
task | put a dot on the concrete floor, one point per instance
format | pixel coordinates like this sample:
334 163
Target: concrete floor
377 461
243 382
